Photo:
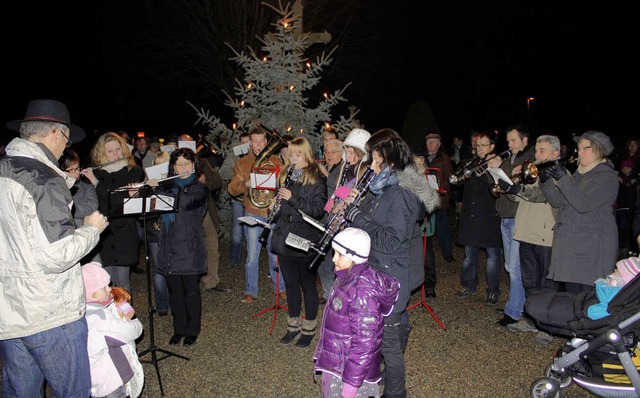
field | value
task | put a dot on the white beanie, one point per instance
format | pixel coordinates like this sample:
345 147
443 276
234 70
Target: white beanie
358 138
353 243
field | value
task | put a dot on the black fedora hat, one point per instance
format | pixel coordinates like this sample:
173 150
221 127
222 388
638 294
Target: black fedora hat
48 110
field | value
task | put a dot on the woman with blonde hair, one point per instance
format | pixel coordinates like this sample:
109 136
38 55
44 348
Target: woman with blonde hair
302 186
114 167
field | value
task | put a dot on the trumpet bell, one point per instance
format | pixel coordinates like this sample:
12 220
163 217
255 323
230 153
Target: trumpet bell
529 173
495 190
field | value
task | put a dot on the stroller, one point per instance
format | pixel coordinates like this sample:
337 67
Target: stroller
595 348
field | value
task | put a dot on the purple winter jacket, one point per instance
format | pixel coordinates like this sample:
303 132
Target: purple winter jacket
353 323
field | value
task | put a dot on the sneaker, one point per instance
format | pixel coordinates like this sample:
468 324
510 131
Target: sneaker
506 321
464 293
523 325
430 292
543 338
492 298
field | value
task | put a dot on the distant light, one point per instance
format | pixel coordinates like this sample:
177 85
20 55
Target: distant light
291 87
325 95
140 134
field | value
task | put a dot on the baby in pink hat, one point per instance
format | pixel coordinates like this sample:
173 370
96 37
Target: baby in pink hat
606 289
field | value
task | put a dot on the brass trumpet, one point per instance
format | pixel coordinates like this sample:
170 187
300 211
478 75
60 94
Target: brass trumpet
529 173
466 172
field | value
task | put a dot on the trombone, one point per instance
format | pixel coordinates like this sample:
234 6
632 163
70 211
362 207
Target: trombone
529 173
467 171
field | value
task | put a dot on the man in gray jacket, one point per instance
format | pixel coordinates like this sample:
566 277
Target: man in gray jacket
43 332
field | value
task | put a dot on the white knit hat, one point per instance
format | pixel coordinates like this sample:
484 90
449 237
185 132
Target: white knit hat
358 138
353 243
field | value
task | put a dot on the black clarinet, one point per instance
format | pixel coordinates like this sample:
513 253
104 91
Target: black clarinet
337 221
264 236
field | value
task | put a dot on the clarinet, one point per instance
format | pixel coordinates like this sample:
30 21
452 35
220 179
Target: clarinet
337 221
276 208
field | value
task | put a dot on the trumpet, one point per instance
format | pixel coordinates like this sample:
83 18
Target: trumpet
467 171
276 208
529 173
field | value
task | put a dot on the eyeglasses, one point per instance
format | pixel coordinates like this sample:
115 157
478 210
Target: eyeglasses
185 164
483 145
73 170
583 148
333 151
68 144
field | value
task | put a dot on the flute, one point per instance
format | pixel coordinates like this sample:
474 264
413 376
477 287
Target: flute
138 185
109 163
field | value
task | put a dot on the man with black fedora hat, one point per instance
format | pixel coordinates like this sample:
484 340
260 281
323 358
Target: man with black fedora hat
42 302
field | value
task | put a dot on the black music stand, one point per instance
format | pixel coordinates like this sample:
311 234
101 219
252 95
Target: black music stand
150 203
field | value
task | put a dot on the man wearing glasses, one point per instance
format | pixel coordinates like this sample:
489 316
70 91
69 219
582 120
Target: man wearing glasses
42 300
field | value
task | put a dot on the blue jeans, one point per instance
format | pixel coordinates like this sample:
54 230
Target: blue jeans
237 233
443 232
326 273
58 355
160 289
469 275
517 297
252 233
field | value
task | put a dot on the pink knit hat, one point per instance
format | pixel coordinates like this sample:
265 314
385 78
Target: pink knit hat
628 268
95 278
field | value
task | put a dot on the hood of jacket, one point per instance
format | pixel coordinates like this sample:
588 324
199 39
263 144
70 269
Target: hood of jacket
22 147
417 183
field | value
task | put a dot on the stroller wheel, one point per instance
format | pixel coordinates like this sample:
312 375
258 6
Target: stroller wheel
545 388
563 377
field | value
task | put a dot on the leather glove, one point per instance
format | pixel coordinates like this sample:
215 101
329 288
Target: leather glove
558 172
352 213
510 189
555 171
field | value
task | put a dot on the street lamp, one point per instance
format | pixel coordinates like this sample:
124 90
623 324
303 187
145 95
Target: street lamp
528 106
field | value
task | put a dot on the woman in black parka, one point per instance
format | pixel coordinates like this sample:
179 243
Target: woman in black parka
182 255
306 190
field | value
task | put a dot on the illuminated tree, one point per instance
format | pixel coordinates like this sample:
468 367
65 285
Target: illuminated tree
278 88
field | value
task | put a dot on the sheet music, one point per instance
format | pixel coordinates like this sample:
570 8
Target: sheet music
432 180
253 221
153 203
158 171
499 174
298 242
312 221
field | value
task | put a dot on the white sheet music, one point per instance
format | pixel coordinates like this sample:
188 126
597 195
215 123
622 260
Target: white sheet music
432 180
153 203
499 174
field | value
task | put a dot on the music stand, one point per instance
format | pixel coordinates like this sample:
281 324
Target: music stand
423 301
277 306
150 203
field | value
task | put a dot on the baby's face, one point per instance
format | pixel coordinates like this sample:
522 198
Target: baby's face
102 294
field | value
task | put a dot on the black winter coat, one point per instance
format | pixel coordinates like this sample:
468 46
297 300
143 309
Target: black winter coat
479 223
392 221
311 200
119 242
182 249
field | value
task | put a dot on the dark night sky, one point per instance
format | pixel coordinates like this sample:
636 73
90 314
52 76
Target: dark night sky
475 66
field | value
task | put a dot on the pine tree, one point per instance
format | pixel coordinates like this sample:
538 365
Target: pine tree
273 88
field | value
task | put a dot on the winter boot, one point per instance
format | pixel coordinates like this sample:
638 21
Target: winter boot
293 329
308 331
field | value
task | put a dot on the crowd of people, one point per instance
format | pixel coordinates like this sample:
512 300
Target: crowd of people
554 224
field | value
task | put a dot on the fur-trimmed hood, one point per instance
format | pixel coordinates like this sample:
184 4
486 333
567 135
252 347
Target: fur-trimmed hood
417 183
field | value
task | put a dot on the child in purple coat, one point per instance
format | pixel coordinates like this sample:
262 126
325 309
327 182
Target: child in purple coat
348 352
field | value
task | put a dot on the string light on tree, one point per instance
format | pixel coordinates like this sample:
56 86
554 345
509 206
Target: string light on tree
275 83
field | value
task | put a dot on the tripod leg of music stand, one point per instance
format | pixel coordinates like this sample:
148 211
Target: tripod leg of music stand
423 302
277 305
